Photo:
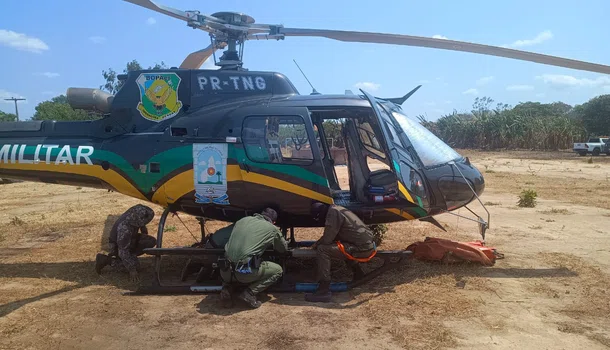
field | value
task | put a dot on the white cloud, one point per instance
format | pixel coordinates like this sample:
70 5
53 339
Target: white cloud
540 38
22 42
425 81
448 102
564 81
48 74
151 21
485 80
541 94
97 39
607 87
519 88
7 94
471 92
367 86
437 36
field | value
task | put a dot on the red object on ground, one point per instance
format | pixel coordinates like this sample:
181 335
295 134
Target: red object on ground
438 249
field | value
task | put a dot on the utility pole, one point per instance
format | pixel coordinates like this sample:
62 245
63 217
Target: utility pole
15 100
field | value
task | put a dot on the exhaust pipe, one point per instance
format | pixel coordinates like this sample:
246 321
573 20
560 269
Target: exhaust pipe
89 99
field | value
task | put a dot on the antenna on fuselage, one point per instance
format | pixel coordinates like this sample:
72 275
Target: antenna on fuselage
314 92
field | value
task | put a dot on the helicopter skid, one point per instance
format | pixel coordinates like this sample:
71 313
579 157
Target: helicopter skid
208 257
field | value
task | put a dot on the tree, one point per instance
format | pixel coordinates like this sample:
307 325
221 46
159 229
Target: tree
332 129
595 115
113 85
7 117
59 109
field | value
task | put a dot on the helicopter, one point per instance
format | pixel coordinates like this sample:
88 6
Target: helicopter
221 144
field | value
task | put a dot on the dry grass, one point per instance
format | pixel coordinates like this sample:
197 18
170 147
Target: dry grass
565 190
555 211
591 286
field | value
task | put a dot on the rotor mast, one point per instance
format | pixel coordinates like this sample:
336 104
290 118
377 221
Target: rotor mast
232 35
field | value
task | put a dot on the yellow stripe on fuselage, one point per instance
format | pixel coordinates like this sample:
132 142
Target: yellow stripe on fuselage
269 181
175 188
398 212
406 193
183 183
109 176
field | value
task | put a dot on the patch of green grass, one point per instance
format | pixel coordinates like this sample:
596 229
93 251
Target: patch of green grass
169 229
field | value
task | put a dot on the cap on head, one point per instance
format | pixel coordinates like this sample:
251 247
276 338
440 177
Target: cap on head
319 208
269 214
319 211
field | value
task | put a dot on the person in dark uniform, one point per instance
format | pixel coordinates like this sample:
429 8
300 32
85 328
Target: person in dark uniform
126 243
344 232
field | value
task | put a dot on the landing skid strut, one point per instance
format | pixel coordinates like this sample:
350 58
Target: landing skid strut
209 257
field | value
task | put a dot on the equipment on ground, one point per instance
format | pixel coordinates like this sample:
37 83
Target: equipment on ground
223 144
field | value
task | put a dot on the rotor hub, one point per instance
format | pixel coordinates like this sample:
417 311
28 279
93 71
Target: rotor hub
236 18
234 34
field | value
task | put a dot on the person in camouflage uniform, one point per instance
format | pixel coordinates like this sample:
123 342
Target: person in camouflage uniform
346 227
250 237
125 243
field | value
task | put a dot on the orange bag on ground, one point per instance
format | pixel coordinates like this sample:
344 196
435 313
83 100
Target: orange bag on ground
438 249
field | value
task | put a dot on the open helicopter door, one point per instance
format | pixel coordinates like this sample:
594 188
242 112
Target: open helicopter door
409 173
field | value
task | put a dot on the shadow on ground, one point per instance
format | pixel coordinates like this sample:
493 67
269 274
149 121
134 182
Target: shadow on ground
82 273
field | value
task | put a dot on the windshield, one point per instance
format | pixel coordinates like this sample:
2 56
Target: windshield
430 149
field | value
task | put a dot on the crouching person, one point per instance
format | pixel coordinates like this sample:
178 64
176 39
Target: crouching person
345 237
127 240
249 238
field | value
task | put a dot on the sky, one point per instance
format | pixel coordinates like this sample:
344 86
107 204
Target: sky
48 46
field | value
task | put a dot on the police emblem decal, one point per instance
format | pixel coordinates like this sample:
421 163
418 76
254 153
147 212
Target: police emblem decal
159 96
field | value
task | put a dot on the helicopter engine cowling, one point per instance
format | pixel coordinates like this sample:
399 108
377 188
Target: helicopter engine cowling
89 99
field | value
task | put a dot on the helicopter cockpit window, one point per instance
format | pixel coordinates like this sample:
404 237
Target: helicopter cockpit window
281 139
430 149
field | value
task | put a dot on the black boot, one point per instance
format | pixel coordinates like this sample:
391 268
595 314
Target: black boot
101 260
249 298
323 293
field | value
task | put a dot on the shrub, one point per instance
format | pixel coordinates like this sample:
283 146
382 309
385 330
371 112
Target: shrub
527 199
378 233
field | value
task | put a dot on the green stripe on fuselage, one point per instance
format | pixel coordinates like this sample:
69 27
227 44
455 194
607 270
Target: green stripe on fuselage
170 160
292 170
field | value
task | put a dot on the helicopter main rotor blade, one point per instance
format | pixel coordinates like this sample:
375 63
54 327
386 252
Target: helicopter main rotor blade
397 39
195 59
151 5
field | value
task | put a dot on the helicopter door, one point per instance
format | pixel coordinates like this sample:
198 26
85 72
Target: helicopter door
281 164
411 182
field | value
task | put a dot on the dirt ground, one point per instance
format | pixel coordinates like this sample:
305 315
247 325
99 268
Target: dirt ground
549 292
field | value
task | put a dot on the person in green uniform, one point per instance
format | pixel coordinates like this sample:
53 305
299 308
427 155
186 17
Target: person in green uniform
341 225
250 237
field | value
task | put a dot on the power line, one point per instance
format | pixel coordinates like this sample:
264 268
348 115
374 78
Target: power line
15 100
